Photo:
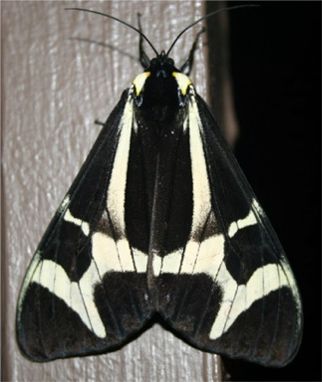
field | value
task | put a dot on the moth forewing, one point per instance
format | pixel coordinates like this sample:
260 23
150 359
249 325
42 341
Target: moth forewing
86 282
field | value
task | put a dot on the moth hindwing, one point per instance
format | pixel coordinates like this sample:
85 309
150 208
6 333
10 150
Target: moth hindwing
160 222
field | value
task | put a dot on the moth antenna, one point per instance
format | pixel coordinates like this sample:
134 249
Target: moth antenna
206 17
120 21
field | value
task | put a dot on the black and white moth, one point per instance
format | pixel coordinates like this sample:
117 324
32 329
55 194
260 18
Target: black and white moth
160 223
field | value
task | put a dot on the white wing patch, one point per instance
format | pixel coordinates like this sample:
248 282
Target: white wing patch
77 295
68 217
167 264
200 187
200 184
237 298
249 220
117 187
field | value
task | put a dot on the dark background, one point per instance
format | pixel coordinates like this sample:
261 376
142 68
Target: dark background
276 70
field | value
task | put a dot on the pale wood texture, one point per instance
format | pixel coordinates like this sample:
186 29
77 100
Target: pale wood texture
60 71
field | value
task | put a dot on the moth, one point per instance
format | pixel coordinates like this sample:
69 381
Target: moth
160 224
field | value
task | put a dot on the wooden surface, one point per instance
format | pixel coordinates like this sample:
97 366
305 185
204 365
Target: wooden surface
60 71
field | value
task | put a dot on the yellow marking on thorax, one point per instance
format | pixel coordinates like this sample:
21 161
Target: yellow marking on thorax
139 82
183 82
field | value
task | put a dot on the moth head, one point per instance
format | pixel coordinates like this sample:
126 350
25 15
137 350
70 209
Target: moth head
165 78
160 67
161 61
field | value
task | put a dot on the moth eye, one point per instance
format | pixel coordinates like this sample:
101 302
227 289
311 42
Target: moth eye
170 61
153 61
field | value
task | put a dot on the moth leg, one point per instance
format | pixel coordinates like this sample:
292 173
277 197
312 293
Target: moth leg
98 122
187 66
143 57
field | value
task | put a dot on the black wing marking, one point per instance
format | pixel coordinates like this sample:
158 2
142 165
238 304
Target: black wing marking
85 290
227 288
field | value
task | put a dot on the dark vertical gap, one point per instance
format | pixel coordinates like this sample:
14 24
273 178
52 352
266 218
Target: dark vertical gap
218 58
275 62
3 315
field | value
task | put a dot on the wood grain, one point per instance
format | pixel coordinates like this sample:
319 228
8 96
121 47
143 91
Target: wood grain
61 71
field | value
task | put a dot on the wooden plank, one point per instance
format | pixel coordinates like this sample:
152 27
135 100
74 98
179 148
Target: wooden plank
55 83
